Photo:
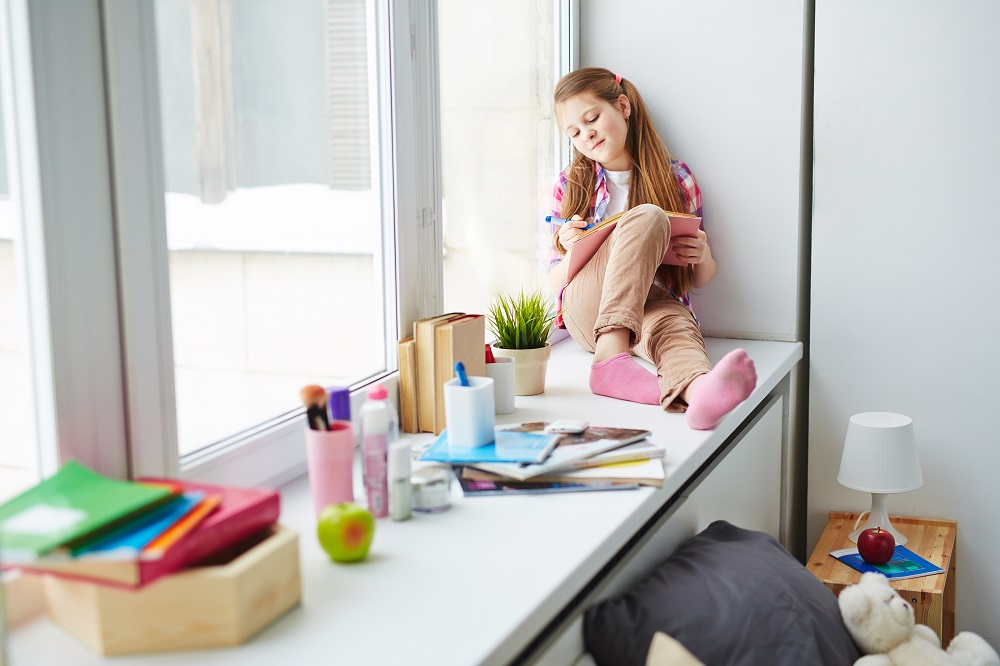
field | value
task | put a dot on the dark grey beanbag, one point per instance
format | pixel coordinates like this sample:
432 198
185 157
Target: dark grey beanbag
730 596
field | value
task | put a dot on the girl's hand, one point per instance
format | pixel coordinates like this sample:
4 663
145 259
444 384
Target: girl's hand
569 231
692 250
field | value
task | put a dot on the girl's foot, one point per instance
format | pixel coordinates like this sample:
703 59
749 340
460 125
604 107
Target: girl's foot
714 395
622 378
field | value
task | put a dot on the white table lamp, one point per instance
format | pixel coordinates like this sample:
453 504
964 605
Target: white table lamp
880 457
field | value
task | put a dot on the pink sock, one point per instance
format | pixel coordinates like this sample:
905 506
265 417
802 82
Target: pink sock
727 385
621 377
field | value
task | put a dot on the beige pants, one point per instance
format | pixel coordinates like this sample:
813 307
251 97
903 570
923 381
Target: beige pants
613 291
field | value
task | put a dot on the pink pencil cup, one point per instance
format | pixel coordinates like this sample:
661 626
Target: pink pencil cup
330 455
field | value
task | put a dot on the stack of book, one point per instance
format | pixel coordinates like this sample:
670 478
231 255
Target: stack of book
81 524
155 564
525 459
427 360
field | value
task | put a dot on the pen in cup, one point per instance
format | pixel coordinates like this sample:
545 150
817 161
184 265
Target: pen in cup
463 379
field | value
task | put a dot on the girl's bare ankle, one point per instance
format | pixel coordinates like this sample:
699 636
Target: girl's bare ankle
610 343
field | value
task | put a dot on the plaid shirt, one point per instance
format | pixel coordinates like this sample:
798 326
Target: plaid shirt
599 204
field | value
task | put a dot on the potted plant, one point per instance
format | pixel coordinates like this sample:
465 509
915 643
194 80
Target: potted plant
521 325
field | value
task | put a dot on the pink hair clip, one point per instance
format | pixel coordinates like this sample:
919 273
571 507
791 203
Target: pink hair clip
618 79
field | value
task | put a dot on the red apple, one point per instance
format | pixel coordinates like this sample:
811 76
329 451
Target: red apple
876 545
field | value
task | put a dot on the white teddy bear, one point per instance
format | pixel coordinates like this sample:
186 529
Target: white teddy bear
881 623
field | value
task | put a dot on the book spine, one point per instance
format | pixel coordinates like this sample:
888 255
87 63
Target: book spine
444 365
207 539
110 528
123 580
160 544
408 386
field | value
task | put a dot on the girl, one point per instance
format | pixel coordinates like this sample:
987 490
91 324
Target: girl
623 300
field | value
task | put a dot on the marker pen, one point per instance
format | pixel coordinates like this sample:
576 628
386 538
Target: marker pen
463 379
552 219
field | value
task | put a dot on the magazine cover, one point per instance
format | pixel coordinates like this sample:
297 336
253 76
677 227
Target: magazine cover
904 564
508 446
591 434
571 449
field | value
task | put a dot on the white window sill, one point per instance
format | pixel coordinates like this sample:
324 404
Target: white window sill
527 555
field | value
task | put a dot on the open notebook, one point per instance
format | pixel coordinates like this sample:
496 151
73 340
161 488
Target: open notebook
681 225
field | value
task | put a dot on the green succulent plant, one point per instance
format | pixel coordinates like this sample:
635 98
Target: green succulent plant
520 321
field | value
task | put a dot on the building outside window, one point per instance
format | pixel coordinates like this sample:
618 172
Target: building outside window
273 226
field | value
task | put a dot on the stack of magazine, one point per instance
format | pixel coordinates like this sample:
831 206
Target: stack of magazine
526 459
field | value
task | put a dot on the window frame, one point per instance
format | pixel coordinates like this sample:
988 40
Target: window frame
87 117
61 181
96 237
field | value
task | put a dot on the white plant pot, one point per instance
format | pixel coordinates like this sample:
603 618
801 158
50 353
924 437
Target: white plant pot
530 366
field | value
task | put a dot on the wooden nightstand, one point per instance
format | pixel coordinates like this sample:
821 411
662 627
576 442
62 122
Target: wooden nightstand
933 597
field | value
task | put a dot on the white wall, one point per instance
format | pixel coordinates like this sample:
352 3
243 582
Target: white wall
723 81
906 231
726 85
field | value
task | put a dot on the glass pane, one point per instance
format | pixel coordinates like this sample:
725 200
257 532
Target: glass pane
18 447
273 223
499 146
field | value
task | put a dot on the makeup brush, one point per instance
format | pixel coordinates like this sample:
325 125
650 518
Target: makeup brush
315 399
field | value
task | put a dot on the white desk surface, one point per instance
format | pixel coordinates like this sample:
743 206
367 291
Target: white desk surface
472 585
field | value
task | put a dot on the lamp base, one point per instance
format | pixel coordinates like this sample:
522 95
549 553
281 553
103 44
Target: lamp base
878 517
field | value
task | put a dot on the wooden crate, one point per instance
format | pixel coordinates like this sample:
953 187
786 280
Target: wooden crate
216 605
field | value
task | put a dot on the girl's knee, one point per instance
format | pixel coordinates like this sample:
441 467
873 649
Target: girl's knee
649 215
652 210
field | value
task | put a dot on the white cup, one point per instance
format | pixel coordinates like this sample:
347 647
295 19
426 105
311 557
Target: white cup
502 374
468 412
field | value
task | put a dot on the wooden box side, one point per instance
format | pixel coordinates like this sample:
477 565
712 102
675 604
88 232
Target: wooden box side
197 608
269 584
76 608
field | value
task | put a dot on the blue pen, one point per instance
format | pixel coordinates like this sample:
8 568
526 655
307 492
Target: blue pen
552 219
463 379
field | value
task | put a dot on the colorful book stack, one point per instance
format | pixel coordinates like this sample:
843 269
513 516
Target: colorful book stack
524 459
102 543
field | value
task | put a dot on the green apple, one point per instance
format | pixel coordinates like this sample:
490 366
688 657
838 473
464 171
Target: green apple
345 531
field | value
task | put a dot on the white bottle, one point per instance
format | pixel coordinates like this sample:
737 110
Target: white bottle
379 429
400 500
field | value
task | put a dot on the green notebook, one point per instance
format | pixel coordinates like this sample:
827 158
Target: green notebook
69 508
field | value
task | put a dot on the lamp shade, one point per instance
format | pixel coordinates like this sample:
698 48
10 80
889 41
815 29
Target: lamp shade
880 454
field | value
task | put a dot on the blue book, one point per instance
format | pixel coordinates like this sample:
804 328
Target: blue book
127 542
508 446
904 564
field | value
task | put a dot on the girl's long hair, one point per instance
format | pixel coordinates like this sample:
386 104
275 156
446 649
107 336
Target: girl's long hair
652 180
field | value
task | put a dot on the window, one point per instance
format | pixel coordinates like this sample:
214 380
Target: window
274 228
500 147
233 198
268 190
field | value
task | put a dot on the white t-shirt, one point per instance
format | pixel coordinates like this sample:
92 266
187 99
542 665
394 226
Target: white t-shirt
617 182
